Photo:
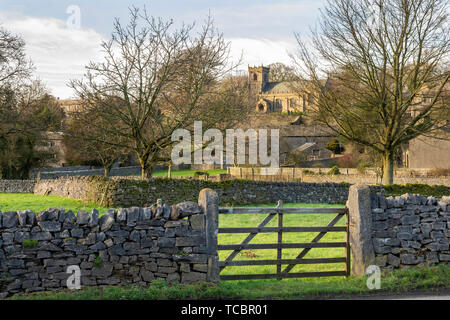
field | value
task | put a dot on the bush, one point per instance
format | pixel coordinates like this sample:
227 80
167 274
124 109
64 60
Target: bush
334 170
335 146
201 174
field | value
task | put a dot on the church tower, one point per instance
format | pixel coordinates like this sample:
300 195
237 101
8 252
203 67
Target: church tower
257 79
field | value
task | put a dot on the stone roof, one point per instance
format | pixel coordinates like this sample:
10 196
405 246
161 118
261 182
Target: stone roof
286 86
306 131
280 87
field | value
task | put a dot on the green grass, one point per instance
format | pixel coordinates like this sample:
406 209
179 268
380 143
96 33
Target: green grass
186 173
400 281
289 220
37 203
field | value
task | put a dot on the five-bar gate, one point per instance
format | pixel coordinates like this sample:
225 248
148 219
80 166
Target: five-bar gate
279 246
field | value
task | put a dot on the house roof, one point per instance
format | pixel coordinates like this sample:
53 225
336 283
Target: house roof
305 146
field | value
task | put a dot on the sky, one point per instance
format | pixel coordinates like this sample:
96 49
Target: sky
60 44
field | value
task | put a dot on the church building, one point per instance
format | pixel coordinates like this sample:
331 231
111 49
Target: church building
282 97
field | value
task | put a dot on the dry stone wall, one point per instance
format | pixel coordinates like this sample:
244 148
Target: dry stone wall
410 230
128 192
17 186
91 189
121 247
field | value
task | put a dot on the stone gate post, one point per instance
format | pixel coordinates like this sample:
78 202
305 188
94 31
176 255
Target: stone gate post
360 215
209 201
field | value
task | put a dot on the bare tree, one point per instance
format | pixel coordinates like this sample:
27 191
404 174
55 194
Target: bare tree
14 64
164 79
388 69
90 138
280 72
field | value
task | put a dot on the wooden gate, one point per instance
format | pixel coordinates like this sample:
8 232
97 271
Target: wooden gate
289 264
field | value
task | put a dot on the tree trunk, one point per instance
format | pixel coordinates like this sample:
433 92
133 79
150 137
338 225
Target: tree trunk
106 171
146 172
146 169
388 168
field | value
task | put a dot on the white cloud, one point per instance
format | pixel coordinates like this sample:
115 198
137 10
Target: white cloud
58 52
261 51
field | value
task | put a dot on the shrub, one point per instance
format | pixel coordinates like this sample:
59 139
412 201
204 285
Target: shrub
334 170
308 172
98 262
29 244
335 146
198 174
417 188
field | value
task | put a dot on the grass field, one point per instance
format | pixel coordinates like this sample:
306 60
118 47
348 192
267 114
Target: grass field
289 220
187 173
250 289
37 203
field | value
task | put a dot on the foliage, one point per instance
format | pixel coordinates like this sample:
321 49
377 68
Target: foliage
335 146
27 117
27 111
97 262
29 244
201 174
334 170
416 188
